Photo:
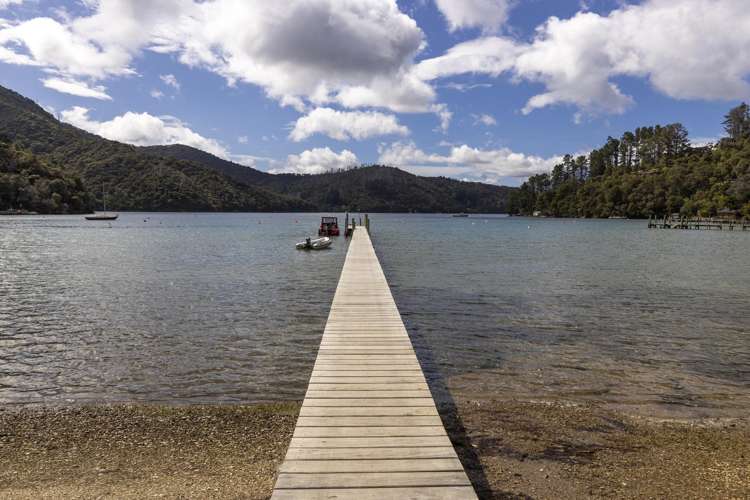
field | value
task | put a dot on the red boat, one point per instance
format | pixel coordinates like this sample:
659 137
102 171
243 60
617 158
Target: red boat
329 226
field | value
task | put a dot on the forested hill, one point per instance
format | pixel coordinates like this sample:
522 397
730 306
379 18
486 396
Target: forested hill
651 171
28 183
373 188
133 179
183 178
233 170
378 188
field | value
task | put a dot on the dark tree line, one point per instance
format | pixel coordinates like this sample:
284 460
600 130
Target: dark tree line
31 184
650 171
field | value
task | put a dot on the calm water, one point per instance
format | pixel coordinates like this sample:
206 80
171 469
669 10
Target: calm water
204 308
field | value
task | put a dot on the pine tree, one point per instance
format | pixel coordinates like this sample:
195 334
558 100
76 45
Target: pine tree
737 122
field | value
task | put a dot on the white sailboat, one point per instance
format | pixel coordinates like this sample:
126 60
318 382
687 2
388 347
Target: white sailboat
103 215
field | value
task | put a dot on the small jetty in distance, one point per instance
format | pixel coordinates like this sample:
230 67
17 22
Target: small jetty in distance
698 223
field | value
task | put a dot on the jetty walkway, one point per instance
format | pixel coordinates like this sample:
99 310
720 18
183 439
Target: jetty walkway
368 427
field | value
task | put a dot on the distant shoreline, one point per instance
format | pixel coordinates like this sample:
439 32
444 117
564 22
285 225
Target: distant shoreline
261 212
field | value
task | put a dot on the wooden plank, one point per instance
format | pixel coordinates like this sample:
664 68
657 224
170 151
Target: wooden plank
365 349
376 479
365 368
371 330
377 363
366 345
419 493
378 337
370 374
350 465
327 356
359 343
315 394
369 442
415 431
368 360
358 411
359 386
369 453
353 421
414 379
374 328
365 402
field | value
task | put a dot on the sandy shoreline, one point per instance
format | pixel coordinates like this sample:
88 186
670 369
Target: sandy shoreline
511 449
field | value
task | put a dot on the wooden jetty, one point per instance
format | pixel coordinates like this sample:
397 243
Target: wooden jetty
698 223
368 427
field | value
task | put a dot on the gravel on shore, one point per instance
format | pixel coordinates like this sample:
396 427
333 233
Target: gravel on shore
511 450
128 451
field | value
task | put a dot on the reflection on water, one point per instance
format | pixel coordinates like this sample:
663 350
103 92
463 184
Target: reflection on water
202 308
576 309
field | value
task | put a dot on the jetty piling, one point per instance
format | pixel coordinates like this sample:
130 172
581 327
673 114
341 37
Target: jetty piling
368 427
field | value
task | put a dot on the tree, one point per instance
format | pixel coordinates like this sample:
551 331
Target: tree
676 140
737 122
652 171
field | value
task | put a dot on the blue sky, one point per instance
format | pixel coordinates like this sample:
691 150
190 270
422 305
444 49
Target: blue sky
490 90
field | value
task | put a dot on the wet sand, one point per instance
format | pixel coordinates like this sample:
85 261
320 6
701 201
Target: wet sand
511 449
550 450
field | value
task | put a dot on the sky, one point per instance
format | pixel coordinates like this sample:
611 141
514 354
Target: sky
483 90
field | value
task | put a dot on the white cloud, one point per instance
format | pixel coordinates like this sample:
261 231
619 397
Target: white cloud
309 49
402 93
352 52
57 47
77 87
465 87
8 3
471 163
242 139
170 80
143 129
345 125
699 142
360 53
157 94
490 15
704 54
444 115
317 161
484 119
488 55
246 160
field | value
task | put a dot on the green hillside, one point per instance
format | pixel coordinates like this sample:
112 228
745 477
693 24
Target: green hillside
180 177
379 188
133 178
31 184
651 171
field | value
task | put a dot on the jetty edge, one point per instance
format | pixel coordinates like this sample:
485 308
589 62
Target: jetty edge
368 427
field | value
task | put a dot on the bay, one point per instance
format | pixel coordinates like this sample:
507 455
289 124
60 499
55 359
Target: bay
220 308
